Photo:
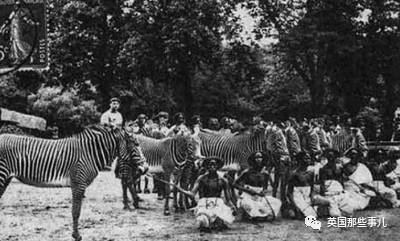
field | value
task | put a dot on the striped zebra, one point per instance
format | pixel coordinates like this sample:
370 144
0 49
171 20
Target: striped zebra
130 173
169 156
69 162
150 131
236 149
341 141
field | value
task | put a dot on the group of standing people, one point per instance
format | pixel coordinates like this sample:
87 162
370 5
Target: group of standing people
330 170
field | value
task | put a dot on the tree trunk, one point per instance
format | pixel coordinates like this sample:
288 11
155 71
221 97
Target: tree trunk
317 96
183 93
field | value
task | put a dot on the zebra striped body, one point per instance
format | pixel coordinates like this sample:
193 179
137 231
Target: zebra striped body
168 156
165 152
235 149
341 141
70 162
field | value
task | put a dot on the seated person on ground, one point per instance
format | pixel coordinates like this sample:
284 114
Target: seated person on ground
358 181
211 210
394 158
380 166
331 188
255 203
300 186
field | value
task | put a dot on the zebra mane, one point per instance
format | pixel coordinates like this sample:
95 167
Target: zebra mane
101 129
177 137
182 138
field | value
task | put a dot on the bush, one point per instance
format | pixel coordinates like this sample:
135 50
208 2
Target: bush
63 108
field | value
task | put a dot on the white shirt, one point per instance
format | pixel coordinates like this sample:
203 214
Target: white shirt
361 175
111 118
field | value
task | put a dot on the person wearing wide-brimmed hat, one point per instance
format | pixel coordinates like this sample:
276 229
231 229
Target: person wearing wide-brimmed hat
112 117
257 206
211 210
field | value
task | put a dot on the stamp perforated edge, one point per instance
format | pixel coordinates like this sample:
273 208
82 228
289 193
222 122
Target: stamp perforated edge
32 67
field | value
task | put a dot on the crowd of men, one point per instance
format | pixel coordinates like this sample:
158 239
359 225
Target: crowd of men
311 136
329 174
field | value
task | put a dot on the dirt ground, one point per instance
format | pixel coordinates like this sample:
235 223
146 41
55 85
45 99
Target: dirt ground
29 213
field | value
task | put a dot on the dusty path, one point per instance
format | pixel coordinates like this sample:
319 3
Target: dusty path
30 214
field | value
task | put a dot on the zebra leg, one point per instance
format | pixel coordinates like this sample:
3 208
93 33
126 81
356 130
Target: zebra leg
132 189
176 181
155 185
182 201
161 188
125 194
4 178
167 193
138 183
77 197
175 195
146 185
4 186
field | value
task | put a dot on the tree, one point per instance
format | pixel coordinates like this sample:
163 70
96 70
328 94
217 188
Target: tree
84 42
15 88
169 42
316 38
382 51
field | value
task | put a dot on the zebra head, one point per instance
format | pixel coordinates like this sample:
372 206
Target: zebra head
128 146
137 156
187 147
134 149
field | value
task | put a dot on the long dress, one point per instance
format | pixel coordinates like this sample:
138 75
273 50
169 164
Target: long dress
19 47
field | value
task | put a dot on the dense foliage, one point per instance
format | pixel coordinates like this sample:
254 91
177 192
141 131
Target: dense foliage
330 57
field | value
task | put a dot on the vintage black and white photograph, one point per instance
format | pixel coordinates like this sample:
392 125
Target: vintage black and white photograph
199 120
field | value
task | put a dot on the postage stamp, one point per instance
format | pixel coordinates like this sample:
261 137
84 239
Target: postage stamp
23 35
